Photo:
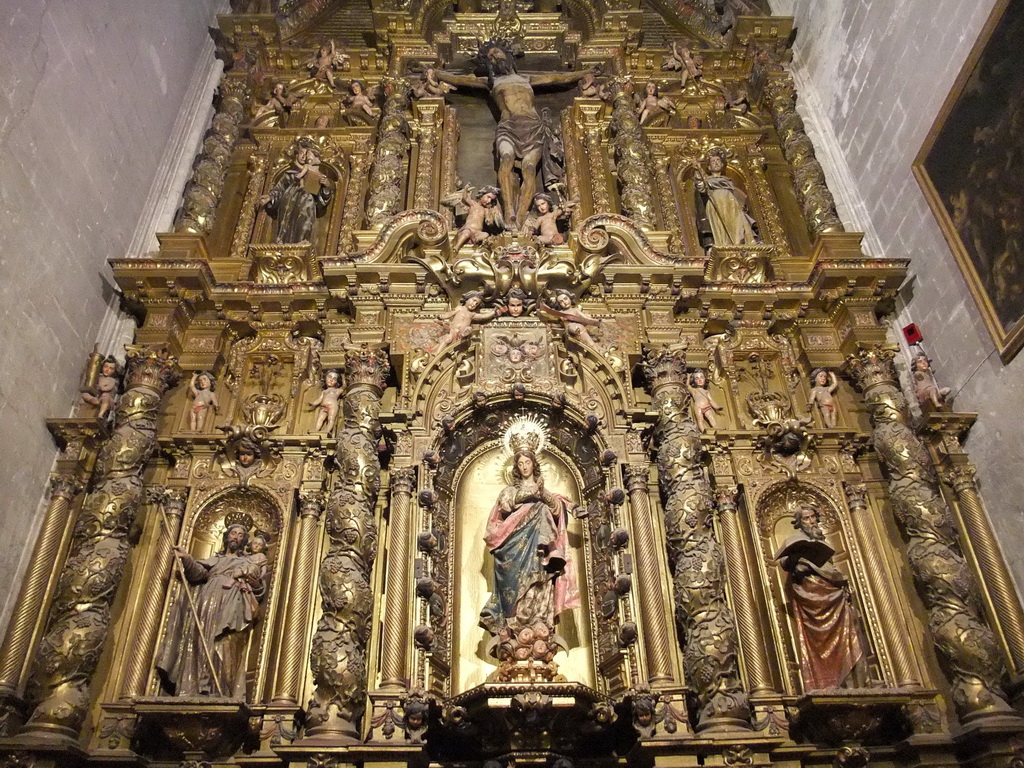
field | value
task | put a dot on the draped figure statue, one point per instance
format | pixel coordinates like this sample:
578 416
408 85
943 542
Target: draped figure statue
724 206
300 196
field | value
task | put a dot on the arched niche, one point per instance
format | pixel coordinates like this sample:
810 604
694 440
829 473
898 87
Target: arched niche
774 518
480 479
689 200
202 536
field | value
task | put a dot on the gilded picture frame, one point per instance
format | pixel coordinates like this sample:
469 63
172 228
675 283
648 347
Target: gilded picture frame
970 169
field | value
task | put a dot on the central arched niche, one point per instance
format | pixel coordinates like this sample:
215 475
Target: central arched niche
480 478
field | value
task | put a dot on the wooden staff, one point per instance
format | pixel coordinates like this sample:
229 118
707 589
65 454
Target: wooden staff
191 603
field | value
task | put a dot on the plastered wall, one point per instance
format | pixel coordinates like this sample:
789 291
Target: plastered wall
90 93
873 76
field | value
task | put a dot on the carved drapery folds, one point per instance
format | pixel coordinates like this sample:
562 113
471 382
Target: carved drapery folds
338 655
80 616
203 192
387 179
702 614
967 647
632 158
816 200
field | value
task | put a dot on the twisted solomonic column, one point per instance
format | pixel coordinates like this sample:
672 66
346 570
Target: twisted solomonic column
967 648
79 620
632 158
703 616
338 655
387 179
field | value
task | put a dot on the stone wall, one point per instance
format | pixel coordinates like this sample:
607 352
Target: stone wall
91 96
873 75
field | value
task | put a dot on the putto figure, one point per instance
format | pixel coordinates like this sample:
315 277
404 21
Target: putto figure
926 387
655 110
204 651
572 317
359 104
327 403
462 318
826 622
427 85
204 399
322 64
483 214
104 394
723 205
520 135
544 217
704 405
823 385
300 196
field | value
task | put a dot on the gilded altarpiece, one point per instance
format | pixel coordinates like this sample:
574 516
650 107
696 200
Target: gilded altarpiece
509 392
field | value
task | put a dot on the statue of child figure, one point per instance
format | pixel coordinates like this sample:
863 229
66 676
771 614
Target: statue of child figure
704 405
203 399
925 387
327 416
105 392
823 384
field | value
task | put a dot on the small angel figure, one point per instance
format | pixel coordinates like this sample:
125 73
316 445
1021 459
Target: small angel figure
203 399
328 402
428 85
591 89
484 212
655 110
704 405
105 393
823 384
925 386
359 106
689 67
252 569
322 64
462 318
573 319
543 219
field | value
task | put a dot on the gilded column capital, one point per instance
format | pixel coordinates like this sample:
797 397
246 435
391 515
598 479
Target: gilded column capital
174 501
638 477
403 479
367 366
65 486
727 497
665 366
311 504
962 478
872 367
856 496
151 369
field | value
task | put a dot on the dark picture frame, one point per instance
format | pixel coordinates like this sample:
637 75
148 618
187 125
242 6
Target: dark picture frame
971 170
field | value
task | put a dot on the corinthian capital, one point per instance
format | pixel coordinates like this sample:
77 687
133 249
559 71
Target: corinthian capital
872 367
367 366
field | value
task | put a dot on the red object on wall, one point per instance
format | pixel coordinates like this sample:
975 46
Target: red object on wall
912 334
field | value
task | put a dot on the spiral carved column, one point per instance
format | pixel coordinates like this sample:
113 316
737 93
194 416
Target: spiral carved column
992 569
79 619
816 200
203 192
338 655
300 597
703 616
394 668
881 587
173 501
966 646
652 599
748 620
35 596
387 179
632 158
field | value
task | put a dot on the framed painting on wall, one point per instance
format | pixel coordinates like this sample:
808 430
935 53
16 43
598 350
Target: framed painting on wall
971 169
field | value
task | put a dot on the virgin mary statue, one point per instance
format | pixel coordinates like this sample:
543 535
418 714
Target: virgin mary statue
534 575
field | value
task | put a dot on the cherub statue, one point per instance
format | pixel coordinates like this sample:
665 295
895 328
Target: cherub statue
573 319
543 219
322 64
427 85
327 402
462 318
655 110
105 392
925 386
280 103
484 212
359 104
823 384
515 305
251 569
200 388
704 405
689 67
591 89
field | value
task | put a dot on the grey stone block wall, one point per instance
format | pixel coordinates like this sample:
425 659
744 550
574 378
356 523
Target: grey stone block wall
90 91
880 72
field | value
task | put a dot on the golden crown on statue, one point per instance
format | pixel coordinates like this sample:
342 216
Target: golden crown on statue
525 433
238 517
